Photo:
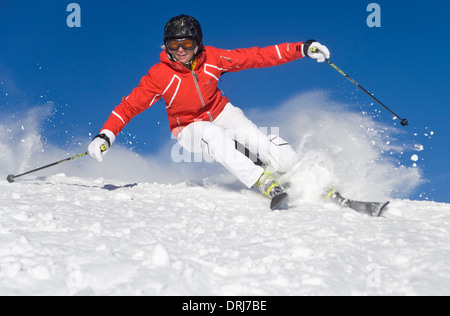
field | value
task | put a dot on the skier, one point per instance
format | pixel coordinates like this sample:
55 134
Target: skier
200 116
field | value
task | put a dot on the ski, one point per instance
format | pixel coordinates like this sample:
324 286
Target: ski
374 209
278 201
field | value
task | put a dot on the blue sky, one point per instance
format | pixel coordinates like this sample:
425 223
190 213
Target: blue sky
86 71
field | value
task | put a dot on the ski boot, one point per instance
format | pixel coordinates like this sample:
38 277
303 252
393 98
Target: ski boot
271 188
330 193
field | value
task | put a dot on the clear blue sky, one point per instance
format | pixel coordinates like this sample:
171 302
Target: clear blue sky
86 71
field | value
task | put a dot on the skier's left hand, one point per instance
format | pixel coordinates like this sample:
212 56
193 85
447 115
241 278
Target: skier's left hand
100 144
315 50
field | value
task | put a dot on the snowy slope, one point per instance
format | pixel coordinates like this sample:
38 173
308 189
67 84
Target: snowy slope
64 235
145 225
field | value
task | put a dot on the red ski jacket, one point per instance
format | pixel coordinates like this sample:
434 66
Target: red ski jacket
192 95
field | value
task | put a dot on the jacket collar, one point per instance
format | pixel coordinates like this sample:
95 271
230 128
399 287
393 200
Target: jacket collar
179 66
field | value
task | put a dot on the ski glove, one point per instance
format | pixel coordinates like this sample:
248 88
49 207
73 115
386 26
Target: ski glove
101 144
314 49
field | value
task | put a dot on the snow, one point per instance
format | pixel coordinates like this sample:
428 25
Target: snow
140 225
65 235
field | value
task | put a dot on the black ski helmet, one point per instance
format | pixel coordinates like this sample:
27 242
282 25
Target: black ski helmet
183 26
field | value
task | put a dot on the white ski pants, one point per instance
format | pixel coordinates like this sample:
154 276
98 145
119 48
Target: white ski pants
217 140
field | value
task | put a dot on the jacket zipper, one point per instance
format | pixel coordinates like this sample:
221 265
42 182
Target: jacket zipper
194 76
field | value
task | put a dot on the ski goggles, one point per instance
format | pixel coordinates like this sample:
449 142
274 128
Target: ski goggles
186 43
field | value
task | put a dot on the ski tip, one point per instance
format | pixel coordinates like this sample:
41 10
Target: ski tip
278 201
380 210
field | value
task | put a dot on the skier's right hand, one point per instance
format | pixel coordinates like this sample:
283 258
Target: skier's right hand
101 144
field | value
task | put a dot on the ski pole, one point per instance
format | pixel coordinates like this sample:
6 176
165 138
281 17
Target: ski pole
403 122
11 177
